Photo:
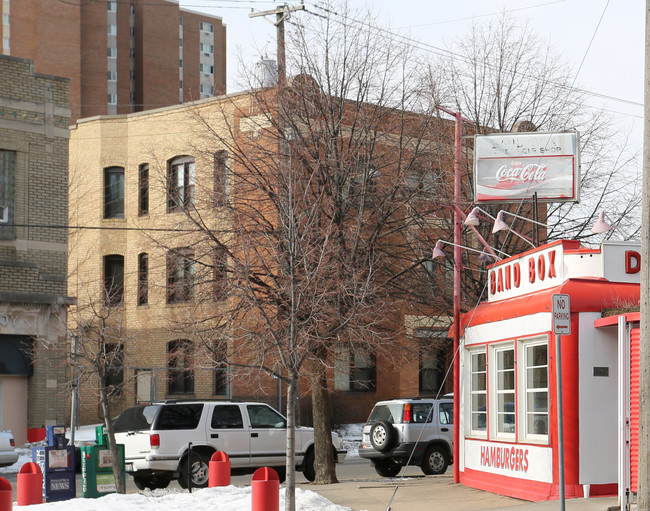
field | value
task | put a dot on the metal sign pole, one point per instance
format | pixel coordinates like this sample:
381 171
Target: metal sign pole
560 421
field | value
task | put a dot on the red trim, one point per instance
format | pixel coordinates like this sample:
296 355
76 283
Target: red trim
630 317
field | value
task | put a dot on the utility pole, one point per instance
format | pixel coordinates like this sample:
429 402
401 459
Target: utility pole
643 489
281 14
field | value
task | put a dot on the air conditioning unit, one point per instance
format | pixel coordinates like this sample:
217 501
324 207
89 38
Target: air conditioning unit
4 214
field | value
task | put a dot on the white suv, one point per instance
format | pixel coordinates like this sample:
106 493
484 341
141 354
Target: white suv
414 431
175 439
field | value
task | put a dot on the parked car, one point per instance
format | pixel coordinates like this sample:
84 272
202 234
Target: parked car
8 454
412 431
166 440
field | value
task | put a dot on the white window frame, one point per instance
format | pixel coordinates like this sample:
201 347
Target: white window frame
495 392
472 392
207 27
524 391
112 52
112 99
207 48
111 29
5 18
112 75
111 6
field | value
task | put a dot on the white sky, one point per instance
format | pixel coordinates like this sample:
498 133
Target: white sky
612 68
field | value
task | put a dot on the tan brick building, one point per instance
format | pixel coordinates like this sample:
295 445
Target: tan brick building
131 176
120 57
34 118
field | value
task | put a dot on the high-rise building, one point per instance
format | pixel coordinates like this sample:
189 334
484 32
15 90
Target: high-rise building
120 56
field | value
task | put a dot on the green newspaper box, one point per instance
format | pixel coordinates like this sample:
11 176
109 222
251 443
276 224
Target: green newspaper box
97 467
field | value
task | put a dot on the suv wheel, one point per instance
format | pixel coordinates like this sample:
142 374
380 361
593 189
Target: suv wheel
199 471
387 468
382 435
308 469
434 461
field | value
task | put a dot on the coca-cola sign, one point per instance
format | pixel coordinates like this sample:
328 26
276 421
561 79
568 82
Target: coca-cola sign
515 166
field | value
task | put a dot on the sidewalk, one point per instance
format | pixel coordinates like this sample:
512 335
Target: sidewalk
437 492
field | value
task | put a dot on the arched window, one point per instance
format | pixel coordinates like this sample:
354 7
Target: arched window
180 183
143 278
114 192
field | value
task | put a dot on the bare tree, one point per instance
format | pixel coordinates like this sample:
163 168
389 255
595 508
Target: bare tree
502 75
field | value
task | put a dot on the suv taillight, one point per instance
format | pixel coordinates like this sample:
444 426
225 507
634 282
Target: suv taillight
12 442
154 440
406 416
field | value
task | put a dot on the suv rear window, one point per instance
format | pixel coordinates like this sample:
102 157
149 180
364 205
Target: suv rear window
391 413
186 416
136 418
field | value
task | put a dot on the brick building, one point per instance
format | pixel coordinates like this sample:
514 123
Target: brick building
132 179
120 57
34 119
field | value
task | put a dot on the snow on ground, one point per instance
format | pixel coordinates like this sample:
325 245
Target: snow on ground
229 498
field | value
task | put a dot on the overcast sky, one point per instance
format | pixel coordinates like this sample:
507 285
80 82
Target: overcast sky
602 39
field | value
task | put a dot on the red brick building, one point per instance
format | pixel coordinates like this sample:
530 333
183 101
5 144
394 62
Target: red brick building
120 57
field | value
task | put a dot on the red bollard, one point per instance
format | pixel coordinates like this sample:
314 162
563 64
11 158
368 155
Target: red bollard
219 470
265 488
29 485
6 495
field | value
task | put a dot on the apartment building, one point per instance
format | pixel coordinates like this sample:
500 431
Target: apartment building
34 119
120 57
143 185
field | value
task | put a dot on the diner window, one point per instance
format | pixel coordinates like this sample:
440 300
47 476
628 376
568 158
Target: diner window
179 373
534 385
355 370
180 276
113 279
143 279
504 384
143 190
114 192
181 176
478 392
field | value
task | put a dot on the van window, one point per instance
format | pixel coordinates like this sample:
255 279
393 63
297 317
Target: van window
446 413
136 418
391 413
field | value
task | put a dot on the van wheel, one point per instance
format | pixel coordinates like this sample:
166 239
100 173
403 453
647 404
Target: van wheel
382 435
308 469
434 461
198 467
387 468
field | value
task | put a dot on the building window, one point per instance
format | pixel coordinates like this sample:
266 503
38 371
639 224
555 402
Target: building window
5 18
180 42
220 354
112 29
112 99
534 383
113 368
132 9
504 385
111 6
180 84
355 370
132 53
180 374
207 48
180 21
114 192
143 279
143 189
180 180
6 43
113 279
207 89
7 176
180 276
207 27
180 63
132 31
132 74
112 53
478 392
207 69
112 76
221 178
431 368
220 273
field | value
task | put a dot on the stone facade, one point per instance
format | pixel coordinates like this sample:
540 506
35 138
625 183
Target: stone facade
34 118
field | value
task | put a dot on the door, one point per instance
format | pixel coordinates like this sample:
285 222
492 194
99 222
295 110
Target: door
227 433
268 436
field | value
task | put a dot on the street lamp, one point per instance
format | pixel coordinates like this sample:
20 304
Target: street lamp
473 220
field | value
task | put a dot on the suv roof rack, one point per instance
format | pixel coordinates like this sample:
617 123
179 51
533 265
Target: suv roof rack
193 400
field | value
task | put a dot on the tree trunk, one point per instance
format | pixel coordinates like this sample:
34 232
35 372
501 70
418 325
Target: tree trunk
117 466
290 483
323 448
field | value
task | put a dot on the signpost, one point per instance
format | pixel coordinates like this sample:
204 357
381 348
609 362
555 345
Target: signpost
561 326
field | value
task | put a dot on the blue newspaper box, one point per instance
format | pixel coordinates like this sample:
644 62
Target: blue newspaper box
57 464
